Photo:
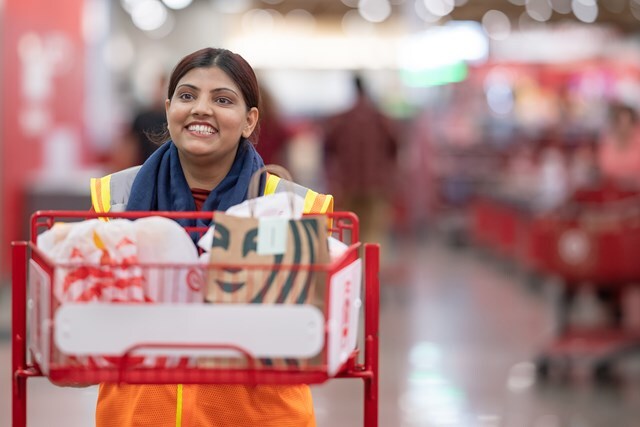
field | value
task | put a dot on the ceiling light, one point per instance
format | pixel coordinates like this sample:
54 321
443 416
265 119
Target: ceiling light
585 10
424 14
374 10
526 23
561 6
350 3
165 29
439 7
540 10
149 15
177 4
496 24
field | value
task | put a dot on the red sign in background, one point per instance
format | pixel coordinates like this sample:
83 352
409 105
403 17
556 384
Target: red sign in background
42 101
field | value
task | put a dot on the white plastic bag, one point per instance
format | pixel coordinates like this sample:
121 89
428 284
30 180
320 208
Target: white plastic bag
163 241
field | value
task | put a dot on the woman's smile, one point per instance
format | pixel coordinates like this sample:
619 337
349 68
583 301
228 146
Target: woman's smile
201 129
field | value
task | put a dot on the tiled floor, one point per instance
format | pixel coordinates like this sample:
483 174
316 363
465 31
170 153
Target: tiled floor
458 333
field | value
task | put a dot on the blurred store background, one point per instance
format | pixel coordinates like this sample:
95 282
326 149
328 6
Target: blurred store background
510 213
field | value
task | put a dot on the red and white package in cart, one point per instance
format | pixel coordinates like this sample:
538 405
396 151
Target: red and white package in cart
119 262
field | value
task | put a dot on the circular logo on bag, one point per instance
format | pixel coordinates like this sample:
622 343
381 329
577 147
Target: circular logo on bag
195 281
574 246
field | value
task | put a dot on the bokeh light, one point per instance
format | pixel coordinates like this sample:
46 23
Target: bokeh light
496 24
585 10
177 4
540 10
439 7
561 6
374 10
424 13
148 15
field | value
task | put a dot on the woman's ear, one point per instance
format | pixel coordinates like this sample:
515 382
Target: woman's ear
252 121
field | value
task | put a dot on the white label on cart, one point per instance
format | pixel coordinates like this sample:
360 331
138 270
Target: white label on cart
295 331
38 315
272 236
344 314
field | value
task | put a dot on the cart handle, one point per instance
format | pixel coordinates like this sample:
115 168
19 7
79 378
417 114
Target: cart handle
46 218
122 365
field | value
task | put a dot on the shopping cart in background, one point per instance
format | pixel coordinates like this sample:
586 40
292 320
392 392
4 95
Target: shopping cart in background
590 244
70 344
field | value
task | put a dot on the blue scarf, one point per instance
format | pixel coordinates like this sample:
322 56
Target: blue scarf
160 184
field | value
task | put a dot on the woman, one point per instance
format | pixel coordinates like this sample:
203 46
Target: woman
212 115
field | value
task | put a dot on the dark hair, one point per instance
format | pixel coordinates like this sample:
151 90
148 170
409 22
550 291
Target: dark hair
619 109
234 65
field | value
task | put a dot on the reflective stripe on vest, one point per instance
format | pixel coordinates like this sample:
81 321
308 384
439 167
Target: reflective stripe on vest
313 202
111 193
100 194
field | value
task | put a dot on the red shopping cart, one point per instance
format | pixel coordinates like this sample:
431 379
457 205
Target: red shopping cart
592 243
53 338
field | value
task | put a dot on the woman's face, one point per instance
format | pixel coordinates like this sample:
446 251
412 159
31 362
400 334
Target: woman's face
207 115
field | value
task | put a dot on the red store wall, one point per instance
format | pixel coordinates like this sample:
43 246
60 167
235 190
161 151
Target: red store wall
41 96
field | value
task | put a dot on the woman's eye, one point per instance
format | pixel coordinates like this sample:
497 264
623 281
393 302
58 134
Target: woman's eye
223 101
185 96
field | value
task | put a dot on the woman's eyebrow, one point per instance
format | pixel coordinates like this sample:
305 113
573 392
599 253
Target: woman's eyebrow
189 86
223 89
219 89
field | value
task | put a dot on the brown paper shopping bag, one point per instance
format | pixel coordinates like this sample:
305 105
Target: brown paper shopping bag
268 260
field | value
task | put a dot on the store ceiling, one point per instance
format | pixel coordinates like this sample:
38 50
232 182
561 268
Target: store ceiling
617 13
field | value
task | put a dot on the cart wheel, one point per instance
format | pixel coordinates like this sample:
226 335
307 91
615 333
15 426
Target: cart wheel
543 368
548 368
603 373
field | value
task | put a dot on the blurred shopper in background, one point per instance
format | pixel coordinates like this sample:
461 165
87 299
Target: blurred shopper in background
361 148
137 144
274 135
583 167
205 163
619 148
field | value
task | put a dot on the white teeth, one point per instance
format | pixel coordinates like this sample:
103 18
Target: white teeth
203 129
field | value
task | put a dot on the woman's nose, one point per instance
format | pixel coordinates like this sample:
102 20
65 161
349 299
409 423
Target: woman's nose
201 107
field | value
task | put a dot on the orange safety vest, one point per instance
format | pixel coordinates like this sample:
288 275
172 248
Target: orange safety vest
201 405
